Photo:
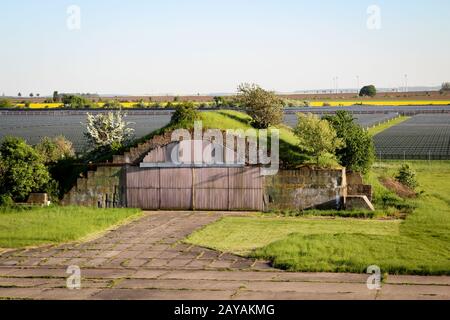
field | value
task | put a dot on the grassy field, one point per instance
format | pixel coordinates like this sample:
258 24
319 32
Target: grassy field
420 244
289 150
242 235
22 227
384 126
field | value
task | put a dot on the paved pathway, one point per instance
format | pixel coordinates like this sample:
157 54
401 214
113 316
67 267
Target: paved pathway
146 260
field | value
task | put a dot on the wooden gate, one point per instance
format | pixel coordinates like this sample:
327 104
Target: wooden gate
195 188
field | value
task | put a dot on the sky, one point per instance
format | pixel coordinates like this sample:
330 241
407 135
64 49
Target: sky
210 46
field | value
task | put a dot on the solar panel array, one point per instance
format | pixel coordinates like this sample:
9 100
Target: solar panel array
421 137
424 136
34 127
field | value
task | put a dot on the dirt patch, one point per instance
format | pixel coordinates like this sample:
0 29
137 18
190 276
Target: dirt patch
399 189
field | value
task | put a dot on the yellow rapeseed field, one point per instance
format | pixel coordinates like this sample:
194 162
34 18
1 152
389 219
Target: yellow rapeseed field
380 103
59 105
335 103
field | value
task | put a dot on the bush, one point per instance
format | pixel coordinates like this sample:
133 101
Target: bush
141 104
6 200
53 191
264 107
358 151
445 87
185 114
55 149
112 104
22 169
77 102
407 177
219 101
5 103
369 91
108 131
316 136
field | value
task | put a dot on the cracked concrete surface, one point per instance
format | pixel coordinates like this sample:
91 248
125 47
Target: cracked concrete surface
146 260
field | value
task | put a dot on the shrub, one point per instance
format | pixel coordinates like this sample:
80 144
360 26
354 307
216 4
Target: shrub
185 114
112 104
316 136
264 107
76 102
358 151
407 177
369 91
445 87
5 103
55 149
22 169
6 200
108 131
219 101
141 104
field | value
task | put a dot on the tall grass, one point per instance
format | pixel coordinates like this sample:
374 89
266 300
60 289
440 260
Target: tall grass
420 244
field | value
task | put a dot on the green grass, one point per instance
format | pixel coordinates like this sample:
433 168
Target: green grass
290 153
23 227
225 119
242 235
420 244
384 126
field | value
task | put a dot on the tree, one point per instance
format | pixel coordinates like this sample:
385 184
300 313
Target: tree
108 130
185 114
22 169
19 94
358 151
31 95
445 87
38 95
219 101
76 102
56 97
265 108
55 149
369 91
317 137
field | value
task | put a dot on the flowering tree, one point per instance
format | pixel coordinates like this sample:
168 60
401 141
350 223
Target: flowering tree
108 130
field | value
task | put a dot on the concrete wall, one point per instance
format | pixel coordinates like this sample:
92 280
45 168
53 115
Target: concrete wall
356 186
300 189
306 188
102 188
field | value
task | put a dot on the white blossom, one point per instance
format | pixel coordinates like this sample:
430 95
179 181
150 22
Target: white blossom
108 129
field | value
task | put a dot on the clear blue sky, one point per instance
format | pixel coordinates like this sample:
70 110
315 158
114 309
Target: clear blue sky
175 46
